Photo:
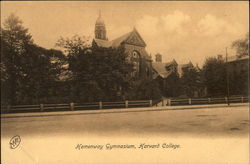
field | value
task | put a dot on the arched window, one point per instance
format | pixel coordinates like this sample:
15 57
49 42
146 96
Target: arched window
135 58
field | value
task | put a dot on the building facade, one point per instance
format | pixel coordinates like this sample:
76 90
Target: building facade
166 75
237 68
170 77
133 45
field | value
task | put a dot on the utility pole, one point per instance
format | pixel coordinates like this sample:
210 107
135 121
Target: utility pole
227 73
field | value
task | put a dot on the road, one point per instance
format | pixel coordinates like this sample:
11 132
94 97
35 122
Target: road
208 135
223 121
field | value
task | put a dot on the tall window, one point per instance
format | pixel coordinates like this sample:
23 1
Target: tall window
135 58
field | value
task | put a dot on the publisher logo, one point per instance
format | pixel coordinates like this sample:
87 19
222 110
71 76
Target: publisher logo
15 141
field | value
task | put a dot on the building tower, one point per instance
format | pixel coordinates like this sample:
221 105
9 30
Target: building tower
100 29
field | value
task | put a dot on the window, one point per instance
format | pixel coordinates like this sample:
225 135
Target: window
135 58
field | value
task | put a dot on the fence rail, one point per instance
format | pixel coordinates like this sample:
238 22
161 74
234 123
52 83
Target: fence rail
75 106
120 104
197 101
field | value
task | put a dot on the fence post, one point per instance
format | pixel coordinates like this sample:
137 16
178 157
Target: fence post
100 105
209 100
71 106
189 101
242 99
8 108
169 102
126 103
150 102
41 107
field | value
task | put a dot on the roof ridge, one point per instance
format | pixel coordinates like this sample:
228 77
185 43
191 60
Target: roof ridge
121 36
116 42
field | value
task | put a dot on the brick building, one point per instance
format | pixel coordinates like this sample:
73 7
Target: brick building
166 75
238 72
169 77
134 47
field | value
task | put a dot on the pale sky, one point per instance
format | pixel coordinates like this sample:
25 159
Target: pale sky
184 31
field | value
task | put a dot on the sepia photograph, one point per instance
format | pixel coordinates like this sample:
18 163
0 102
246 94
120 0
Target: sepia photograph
125 82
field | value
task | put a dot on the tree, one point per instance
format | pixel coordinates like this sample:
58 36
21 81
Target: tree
96 73
190 81
238 82
14 38
29 71
41 69
144 89
172 87
242 46
214 74
75 45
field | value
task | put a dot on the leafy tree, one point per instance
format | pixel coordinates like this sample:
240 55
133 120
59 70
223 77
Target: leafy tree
73 46
14 38
239 80
214 74
96 73
238 83
172 88
190 81
29 71
41 71
242 46
144 89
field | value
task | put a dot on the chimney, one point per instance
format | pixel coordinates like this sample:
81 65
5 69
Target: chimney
158 58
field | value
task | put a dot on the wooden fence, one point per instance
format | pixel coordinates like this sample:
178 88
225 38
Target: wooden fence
120 104
199 101
76 106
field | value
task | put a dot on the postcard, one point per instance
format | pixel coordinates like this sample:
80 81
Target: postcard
124 82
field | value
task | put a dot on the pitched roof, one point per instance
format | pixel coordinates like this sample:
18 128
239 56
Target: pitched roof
236 58
139 36
171 63
160 69
113 43
181 66
102 43
117 42
123 39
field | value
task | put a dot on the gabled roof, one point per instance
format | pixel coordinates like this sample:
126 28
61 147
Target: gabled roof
118 41
136 34
173 62
182 66
160 69
126 38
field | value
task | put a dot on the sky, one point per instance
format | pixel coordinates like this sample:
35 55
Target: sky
184 31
